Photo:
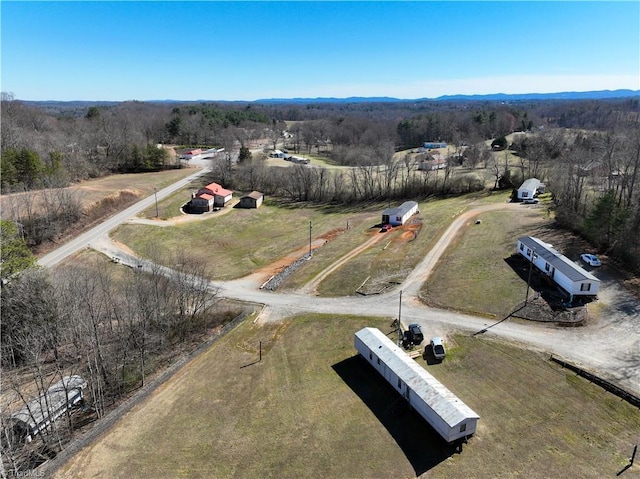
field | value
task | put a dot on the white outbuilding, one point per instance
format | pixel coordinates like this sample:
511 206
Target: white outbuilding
442 409
400 215
569 276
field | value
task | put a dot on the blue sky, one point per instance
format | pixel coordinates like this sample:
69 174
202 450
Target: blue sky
191 50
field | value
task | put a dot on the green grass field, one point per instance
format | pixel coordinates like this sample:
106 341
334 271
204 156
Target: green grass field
473 275
391 259
312 408
238 243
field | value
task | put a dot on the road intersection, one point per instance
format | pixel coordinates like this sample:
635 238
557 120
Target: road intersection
608 347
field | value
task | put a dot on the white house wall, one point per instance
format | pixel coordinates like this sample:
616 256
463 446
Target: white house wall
571 286
528 189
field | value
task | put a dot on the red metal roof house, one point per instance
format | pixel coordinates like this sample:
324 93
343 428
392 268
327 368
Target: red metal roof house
211 196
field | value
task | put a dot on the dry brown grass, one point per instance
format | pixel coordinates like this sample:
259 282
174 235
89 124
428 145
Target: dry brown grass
312 408
473 275
94 191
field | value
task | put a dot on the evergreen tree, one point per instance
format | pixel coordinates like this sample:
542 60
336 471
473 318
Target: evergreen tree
16 256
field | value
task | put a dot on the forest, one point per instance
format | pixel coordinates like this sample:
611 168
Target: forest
114 333
586 151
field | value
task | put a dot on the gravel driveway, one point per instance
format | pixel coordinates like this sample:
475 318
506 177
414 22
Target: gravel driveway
608 346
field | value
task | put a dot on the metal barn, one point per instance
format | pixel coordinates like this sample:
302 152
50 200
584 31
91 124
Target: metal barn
442 409
569 276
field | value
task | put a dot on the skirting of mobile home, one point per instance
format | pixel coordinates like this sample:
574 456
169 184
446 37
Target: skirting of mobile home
442 409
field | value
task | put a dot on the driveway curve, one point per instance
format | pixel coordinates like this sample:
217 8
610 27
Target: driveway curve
609 348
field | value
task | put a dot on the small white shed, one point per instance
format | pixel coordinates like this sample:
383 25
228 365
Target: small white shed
569 276
528 189
399 216
442 409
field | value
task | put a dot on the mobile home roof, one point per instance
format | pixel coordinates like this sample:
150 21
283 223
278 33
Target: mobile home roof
560 262
442 401
39 409
400 210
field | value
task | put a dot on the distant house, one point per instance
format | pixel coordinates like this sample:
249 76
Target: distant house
299 160
211 196
432 145
570 277
400 215
431 162
529 189
252 200
189 154
221 195
38 414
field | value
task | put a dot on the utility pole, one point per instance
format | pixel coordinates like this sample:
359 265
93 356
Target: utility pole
310 228
534 256
399 317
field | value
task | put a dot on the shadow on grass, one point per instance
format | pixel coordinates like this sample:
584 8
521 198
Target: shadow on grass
540 284
419 442
429 357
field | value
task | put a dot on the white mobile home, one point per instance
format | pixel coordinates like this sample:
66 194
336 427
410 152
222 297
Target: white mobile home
37 415
442 409
399 216
569 276
528 189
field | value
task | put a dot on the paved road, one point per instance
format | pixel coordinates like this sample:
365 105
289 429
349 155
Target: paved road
85 239
609 347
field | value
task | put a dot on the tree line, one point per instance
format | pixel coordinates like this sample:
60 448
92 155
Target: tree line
53 145
111 327
591 175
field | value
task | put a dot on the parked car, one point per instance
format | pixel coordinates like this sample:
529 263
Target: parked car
530 201
437 347
415 334
385 228
590 259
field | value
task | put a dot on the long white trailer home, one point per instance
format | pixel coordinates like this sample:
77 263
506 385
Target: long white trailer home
442 409
570 277
38 414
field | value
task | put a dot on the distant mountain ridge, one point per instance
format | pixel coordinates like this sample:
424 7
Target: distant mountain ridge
585 95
